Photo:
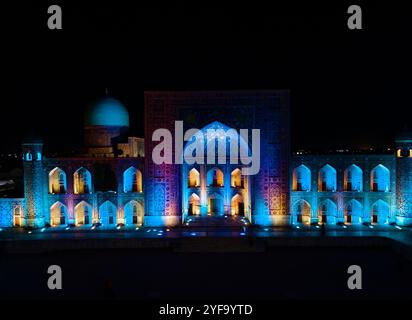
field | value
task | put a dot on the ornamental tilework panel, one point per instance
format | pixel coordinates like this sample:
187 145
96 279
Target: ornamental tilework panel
264 110
7 209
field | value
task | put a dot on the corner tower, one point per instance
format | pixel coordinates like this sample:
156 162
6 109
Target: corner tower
404 179
33 183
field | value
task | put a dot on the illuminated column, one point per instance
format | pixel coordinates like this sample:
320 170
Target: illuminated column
340 195
70 211
227 191
95 209
203 191
33 183
120 217
341 207
185 191
404 181
366 190
314 204
246 197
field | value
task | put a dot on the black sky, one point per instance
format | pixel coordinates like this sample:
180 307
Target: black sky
348 88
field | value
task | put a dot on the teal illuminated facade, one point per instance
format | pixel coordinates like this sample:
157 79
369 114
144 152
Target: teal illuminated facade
112 183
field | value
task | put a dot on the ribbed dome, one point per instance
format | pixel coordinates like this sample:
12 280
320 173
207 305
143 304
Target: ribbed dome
107 112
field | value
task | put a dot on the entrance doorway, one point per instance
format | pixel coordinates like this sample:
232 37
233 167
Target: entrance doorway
194 205
17 216
237 205
215 205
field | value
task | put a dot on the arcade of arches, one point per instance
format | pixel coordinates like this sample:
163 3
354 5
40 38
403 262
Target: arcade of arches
216 191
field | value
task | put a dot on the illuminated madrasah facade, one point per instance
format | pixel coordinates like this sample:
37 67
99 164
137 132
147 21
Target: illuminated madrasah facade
115 182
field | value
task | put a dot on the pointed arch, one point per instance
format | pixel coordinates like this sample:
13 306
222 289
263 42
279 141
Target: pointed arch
194 205
193 178
57 181
83 212
215 178
301 178
237 205
380 212
82 181
215 204
353 178
327 212
237 179
108 213
18 216
302 211
353 212
134 213
217 140
58 214
132 180
327 178
380 179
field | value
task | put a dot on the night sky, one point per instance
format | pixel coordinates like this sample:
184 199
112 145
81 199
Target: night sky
349 89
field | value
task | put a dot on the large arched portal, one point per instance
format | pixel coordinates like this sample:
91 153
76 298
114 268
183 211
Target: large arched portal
216 183
256 115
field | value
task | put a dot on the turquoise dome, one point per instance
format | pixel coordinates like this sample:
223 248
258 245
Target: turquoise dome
107 112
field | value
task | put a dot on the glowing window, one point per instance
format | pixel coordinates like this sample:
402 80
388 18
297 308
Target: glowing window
194 205
215 178
380 179
327 178
82 181
57 181
132 180
194 178
58 214
236 179
327 212
301 179
352 178
380 212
